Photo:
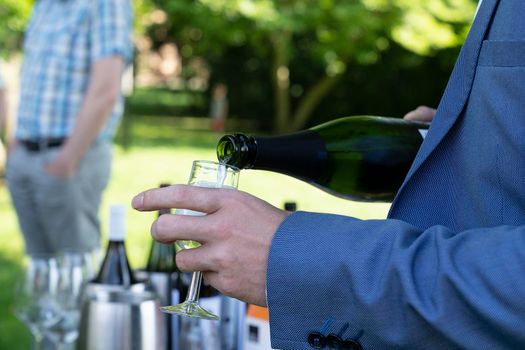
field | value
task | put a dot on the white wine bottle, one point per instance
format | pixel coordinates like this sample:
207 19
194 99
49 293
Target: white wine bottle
363 158
115 269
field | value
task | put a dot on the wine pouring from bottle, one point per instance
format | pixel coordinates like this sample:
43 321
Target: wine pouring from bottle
363 158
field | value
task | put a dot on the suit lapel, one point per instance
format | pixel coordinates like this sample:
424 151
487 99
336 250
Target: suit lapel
458 88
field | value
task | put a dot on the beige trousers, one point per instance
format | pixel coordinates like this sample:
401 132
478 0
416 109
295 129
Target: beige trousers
58 214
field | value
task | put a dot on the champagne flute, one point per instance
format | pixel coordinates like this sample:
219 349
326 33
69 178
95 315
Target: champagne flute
33 303
212 175
75 269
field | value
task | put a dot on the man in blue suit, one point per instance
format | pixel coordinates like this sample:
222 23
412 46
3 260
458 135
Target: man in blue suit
444 271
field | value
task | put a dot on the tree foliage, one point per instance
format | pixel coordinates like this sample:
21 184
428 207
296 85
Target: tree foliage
291 53
428 26
13 16
329 35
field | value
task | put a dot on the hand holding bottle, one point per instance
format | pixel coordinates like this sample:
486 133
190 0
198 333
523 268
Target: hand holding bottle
236 235
421 114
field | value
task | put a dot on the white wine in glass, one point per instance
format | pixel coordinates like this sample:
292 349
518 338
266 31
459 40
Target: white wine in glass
212 175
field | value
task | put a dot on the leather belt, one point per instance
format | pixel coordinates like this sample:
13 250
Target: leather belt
40 145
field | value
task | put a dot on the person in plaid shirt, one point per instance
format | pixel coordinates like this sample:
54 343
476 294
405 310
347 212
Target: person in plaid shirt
75 52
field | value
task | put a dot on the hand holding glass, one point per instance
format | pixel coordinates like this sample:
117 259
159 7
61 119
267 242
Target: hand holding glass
211 175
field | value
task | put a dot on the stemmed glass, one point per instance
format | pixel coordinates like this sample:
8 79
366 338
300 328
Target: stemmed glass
212 175
33 303
75 269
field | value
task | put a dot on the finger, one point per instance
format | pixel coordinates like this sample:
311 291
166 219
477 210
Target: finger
217 281
201 199
212 278
169 228
197 259
412 115
426 113
421 113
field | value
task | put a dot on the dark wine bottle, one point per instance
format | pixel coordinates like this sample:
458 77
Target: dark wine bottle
115 269
362 158
162 256
164 277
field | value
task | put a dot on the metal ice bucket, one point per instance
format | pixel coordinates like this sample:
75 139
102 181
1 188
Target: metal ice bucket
118 318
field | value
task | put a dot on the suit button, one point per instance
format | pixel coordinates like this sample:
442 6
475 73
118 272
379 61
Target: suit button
351 344
334 342
316 340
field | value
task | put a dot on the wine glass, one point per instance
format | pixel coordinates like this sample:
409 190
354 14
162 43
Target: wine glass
75 269
212 175
33 301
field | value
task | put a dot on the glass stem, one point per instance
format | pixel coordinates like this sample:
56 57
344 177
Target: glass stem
195 287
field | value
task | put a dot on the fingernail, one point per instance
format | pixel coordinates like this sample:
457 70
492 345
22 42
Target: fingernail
153 229
137 202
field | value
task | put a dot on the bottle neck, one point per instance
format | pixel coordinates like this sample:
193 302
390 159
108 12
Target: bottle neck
301 154
115 269
237 150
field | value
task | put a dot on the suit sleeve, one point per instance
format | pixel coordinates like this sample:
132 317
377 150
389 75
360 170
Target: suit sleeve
390 285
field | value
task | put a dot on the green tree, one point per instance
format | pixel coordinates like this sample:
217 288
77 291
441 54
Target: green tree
333 34
13 16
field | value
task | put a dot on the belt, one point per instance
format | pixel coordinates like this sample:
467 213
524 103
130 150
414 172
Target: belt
43 144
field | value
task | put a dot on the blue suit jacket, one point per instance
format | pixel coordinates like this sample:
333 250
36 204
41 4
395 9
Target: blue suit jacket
446 270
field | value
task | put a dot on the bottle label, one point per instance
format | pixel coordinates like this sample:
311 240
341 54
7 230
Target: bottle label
423 133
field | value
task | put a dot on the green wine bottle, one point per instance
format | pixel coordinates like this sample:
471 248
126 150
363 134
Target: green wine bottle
161 256
165 278
364 158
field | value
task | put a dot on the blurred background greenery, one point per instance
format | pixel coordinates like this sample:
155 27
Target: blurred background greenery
288 64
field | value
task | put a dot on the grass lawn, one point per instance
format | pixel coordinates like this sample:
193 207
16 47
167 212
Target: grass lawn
160 152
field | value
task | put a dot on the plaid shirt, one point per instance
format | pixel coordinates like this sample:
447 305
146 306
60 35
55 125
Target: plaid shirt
63 40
